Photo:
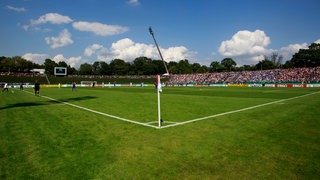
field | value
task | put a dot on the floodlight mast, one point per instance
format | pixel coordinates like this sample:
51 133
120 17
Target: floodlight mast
164 63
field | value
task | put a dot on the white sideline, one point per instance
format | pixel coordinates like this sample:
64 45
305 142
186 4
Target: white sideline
235 111
97 112
176 123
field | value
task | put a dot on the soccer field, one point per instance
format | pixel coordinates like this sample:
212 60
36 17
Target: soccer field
112 133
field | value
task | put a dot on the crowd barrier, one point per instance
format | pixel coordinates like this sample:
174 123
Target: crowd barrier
269 85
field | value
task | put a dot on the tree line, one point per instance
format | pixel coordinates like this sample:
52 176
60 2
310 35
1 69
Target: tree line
145 66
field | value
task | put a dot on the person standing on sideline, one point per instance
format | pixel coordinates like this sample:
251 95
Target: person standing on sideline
37 88
5 87
74 86
21 86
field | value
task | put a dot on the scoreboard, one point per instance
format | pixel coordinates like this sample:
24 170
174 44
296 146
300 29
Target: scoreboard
60 71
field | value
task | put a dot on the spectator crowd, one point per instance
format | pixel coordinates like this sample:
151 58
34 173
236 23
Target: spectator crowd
300 75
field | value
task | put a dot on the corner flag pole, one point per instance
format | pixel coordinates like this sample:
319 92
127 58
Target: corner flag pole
164 63
158 93
159 88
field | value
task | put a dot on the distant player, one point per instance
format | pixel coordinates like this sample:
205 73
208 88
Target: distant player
5 87
74 86
21 86
37 88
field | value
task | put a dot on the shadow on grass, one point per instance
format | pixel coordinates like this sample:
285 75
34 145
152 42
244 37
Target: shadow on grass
73 99
28 104
25 104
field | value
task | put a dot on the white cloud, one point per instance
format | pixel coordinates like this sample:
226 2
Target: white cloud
90 50
133 2
36 58
75 61
52 18
245 46
288 51
63 39
128 50
99 28
317 41
98 50
72 61
16 9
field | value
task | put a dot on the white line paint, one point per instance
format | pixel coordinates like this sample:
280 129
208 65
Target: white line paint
178 123
101 113
235 111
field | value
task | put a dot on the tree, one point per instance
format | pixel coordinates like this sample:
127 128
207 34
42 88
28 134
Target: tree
265 64
49 66
119 67
203 69
143 66
159 67
215 66
195 67
85 69
173 67
276 59
307 57
184 67
96 68
105 70
228 63
62 64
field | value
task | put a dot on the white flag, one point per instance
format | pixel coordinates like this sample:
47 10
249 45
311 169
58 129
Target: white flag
159 87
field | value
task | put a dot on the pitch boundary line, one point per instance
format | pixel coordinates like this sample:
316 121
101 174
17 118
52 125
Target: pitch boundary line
239 110
98 112
148 124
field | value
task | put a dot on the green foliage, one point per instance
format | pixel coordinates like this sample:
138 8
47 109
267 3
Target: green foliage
145 66
228 63
265 64
307 57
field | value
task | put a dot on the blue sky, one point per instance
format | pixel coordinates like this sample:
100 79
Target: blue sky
202 31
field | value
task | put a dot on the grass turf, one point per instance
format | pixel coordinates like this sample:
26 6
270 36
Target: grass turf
45 139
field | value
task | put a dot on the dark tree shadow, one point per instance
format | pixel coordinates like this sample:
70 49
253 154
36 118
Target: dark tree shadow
26 104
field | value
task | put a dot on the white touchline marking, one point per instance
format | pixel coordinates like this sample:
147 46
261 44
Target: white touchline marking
235 111
101 113
177 123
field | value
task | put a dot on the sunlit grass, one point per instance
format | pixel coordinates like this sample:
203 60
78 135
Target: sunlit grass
45 139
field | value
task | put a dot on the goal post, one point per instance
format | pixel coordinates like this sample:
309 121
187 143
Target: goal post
88 83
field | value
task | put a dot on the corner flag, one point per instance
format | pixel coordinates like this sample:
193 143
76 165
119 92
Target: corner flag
159 90
159 86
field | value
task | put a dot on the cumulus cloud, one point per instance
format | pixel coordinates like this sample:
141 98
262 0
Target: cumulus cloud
99 28
317 41
63 39
72 61
52 18
36 58
246 46
98 50
16 9
288 51
90 50
133 2
127 49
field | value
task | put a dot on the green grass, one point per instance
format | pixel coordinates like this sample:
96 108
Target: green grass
46 139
